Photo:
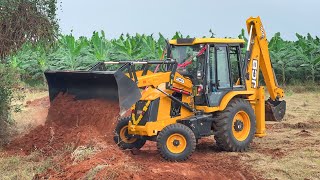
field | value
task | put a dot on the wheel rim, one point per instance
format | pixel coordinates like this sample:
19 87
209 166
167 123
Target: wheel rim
124 135
176 143
241 126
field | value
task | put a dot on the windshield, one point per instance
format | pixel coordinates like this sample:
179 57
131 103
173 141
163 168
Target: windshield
185 53
190 58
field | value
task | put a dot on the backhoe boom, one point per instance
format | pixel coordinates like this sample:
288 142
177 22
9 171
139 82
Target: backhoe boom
260 58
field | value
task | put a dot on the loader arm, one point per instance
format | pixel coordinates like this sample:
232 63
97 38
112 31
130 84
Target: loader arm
165 77
144 78
258 49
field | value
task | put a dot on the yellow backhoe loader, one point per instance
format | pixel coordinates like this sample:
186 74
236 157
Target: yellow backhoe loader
204 87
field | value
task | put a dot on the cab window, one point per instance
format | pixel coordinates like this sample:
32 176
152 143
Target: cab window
211 69
223 73
235 65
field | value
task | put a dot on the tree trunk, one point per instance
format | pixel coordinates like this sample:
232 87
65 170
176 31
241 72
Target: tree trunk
313 74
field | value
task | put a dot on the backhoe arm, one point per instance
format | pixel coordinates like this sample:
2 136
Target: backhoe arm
258 57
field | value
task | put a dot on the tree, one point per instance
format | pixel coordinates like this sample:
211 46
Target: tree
26 20
21 21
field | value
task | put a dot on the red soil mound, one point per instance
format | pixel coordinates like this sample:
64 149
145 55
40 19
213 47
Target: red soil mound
42 102
101 114
70 122
90 123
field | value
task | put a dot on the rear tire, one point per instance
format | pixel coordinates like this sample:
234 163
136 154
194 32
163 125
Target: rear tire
176 142
123 139
234 128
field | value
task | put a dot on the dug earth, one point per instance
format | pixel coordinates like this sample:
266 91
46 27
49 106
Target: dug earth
78 137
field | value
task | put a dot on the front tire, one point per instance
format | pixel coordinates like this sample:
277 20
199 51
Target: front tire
235 126
176 142
123 139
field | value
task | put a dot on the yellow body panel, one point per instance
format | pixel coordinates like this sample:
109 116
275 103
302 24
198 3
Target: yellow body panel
224 102
260 112
163 117
154 79
139 73
186 85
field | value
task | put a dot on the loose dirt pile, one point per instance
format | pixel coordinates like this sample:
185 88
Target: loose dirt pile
71 122
73 131
78 137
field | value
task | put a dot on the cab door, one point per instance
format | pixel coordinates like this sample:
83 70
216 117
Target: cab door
219 74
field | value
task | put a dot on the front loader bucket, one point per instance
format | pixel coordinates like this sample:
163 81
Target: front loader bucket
275 110
108 85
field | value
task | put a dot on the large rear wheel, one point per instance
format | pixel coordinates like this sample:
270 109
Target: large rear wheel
123 139
235 126
176 142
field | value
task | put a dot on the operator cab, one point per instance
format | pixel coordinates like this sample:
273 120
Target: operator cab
213 65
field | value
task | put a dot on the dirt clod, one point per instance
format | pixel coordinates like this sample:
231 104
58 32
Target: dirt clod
304 133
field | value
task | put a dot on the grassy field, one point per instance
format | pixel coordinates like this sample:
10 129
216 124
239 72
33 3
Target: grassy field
289 151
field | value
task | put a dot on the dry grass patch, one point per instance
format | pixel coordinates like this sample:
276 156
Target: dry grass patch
299 164
94 171
23 167
291 149
83 152
126 166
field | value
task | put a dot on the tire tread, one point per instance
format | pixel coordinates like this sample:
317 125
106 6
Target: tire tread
161 141
222 134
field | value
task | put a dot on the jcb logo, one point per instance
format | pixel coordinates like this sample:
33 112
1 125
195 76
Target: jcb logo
254 73
180 80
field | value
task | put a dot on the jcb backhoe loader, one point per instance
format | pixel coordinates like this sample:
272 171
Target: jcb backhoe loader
203 88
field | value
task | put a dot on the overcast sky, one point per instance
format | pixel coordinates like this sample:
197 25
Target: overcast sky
191 17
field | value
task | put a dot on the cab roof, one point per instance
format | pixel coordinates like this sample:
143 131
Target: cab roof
193 41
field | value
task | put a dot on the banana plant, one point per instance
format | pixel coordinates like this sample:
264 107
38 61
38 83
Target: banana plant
101 48
308 50
292 60
153 49
177 35
212 34
70 53
128 47
283 55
